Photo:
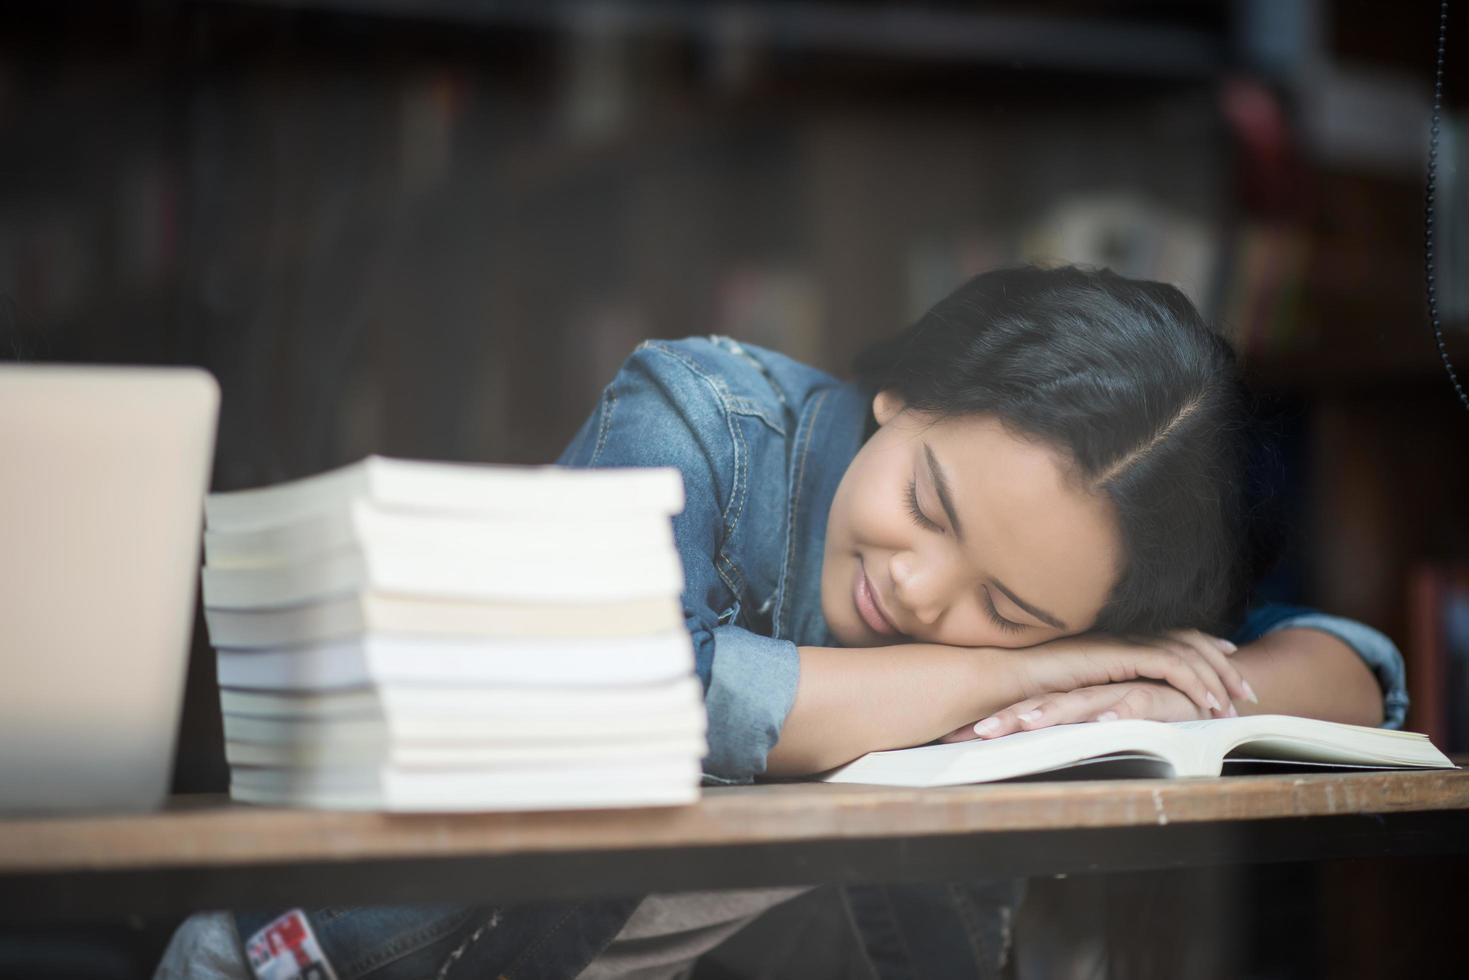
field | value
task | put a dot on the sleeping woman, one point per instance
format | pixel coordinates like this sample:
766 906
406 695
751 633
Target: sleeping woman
1027 509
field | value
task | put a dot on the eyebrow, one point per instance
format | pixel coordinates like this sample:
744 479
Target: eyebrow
941 484
1040 614
946 500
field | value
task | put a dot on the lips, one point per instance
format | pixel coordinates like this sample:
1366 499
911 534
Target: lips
866 601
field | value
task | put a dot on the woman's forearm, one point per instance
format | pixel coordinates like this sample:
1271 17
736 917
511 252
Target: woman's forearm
853 701
1310 673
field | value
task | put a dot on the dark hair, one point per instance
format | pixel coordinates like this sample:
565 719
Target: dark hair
1141 397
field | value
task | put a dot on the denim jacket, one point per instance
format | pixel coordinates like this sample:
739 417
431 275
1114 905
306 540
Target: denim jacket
762 442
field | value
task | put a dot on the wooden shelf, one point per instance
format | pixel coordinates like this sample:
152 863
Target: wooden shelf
1089 45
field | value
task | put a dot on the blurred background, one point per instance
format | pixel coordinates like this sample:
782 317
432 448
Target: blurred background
434 229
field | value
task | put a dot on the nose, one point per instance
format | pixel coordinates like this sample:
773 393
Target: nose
921 587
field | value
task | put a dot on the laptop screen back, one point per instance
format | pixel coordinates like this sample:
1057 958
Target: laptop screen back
101 496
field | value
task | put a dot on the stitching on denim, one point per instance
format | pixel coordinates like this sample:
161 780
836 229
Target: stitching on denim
1007 938
969 913
473 938
735 347
892 916
855 929
721 395
533 947
405 944
732 578
750 408
607 411
802 449
740 490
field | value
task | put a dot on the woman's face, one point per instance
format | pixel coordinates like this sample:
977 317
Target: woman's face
955 531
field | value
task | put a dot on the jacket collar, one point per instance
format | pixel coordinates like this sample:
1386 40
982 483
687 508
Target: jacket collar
830 430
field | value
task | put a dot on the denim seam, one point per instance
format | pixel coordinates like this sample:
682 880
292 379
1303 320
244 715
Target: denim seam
751 409
856 930
741 487
405 944
746 405
732 578
735 506
610 407
505 974
892 914
721 395
454 956
735 347
802 451
969 912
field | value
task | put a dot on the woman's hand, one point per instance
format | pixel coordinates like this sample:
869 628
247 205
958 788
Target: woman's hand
1192 663
1104 702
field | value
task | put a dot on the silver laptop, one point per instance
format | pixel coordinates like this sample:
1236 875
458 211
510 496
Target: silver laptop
102 479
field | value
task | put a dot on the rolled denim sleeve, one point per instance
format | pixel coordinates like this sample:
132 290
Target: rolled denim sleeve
657 413
751 690
1378 652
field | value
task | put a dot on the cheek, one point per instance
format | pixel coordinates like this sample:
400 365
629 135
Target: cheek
964 625
875 513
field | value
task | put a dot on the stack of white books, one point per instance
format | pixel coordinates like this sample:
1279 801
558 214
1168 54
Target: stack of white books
399 635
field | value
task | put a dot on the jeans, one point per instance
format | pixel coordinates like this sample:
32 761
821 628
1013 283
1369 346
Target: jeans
905 931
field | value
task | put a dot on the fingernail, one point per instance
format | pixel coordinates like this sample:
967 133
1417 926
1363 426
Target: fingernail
1249 691
1031 715
1233 711
986 726
1228 647
1107 716
1213 701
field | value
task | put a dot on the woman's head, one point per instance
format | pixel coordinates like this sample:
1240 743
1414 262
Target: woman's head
1055 449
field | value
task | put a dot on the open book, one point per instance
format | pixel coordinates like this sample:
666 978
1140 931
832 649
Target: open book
1147 748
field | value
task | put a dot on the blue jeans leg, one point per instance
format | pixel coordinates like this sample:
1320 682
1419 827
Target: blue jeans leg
936 931
532 941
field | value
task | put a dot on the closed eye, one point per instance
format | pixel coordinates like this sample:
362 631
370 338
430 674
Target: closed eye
999 620
919 517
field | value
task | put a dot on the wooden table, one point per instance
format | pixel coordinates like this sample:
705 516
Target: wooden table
205 852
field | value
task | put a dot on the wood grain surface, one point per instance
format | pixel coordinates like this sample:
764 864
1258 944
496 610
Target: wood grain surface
210 831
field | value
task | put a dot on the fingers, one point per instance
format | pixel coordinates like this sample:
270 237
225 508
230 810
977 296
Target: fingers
1196 664
1193 663
1217 651
1179 665
1068 708
1217 695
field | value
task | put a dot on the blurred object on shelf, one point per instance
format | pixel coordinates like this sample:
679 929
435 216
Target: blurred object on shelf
1269 176
1365 119
1129 234
1262 314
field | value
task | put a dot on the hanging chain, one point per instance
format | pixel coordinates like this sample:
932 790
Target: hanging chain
1430 280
